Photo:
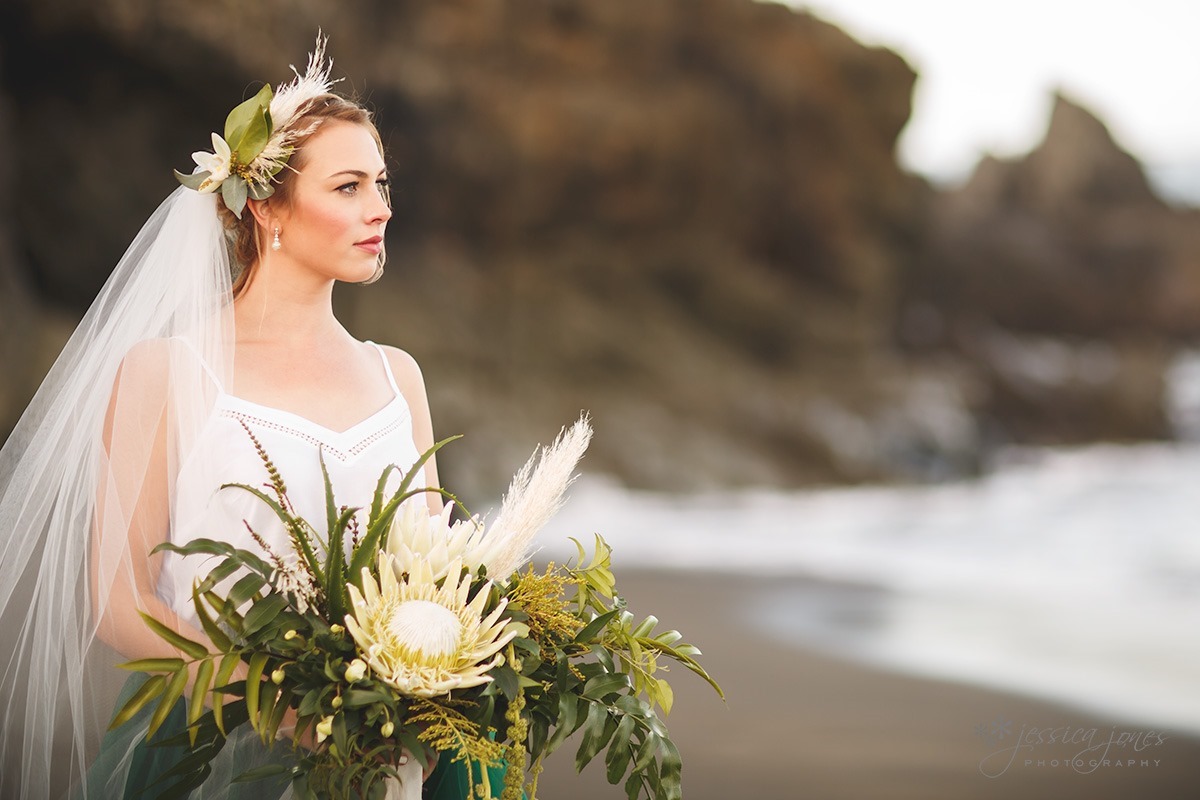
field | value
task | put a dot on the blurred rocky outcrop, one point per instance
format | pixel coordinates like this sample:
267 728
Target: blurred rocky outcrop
685 216
31 333
1065 281
13 303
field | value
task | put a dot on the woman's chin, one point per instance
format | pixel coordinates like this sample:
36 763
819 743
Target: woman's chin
358 273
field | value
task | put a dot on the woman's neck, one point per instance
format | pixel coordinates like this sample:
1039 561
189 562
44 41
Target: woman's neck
292 309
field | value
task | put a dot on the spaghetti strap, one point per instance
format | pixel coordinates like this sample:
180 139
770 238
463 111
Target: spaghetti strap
387 367
201 361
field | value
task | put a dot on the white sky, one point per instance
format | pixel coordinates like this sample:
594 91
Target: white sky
987 70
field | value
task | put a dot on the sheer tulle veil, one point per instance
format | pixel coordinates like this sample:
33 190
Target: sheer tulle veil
89 480
86 483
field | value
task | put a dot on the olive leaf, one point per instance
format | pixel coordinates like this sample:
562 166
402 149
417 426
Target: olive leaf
248 125
261 191
234 192
194 180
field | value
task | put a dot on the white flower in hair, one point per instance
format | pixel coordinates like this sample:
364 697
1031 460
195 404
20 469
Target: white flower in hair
217 163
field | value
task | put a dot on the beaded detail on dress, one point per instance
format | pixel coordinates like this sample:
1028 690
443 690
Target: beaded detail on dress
255 422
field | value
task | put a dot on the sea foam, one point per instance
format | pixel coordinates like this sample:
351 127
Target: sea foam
1071 575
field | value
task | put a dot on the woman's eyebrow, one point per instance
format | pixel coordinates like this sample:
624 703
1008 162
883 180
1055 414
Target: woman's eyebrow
358 173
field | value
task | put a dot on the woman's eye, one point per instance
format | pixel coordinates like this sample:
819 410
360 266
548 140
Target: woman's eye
349 188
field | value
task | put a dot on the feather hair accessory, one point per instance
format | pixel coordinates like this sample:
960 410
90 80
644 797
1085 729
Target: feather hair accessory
289 102
260 135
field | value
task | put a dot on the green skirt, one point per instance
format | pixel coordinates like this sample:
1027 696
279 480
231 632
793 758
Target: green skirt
147 763
449 780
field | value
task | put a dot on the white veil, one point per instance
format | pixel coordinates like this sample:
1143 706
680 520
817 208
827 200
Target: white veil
87 481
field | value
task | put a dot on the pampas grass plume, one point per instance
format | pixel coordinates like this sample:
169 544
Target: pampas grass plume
534 496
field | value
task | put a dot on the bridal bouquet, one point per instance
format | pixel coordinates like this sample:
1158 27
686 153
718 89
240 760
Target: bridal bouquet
402 631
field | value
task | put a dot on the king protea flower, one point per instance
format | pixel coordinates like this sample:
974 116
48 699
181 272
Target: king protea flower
536 493
419 537
423 639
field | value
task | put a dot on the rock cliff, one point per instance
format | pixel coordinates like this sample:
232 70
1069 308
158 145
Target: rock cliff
685 216
1066 282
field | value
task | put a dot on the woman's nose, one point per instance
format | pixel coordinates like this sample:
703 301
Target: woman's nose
381 210
382 213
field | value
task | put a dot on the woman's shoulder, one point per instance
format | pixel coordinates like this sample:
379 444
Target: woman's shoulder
158 358
156 353
399 359
401 362
147 362
406 370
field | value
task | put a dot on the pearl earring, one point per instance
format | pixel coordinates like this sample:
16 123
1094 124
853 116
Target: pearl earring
275 243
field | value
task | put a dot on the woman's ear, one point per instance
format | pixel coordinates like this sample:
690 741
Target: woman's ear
262 211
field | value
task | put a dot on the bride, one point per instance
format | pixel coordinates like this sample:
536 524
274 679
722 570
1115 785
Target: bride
217 321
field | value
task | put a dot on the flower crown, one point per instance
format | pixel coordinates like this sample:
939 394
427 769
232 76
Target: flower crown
260 135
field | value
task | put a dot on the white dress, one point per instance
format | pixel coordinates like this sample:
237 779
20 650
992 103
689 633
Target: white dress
354 458
223 453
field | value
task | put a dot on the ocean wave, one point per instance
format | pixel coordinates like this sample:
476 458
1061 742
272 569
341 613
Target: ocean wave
1072 575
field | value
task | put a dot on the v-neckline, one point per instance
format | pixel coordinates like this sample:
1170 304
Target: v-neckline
305 421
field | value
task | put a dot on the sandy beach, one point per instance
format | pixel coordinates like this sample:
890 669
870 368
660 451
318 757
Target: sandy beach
840 730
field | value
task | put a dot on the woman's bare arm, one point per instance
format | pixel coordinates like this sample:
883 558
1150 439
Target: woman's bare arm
133 509
412 386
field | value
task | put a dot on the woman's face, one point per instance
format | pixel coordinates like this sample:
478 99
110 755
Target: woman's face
334 224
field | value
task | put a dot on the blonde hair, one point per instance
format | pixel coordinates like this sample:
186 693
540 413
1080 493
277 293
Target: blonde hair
244 235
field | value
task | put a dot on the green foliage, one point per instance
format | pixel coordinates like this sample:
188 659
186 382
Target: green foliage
602 685
192 180
518 731
583 666
248 126
446 726
234 192
248 130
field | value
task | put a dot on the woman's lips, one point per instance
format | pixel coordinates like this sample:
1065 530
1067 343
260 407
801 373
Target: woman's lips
374 245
